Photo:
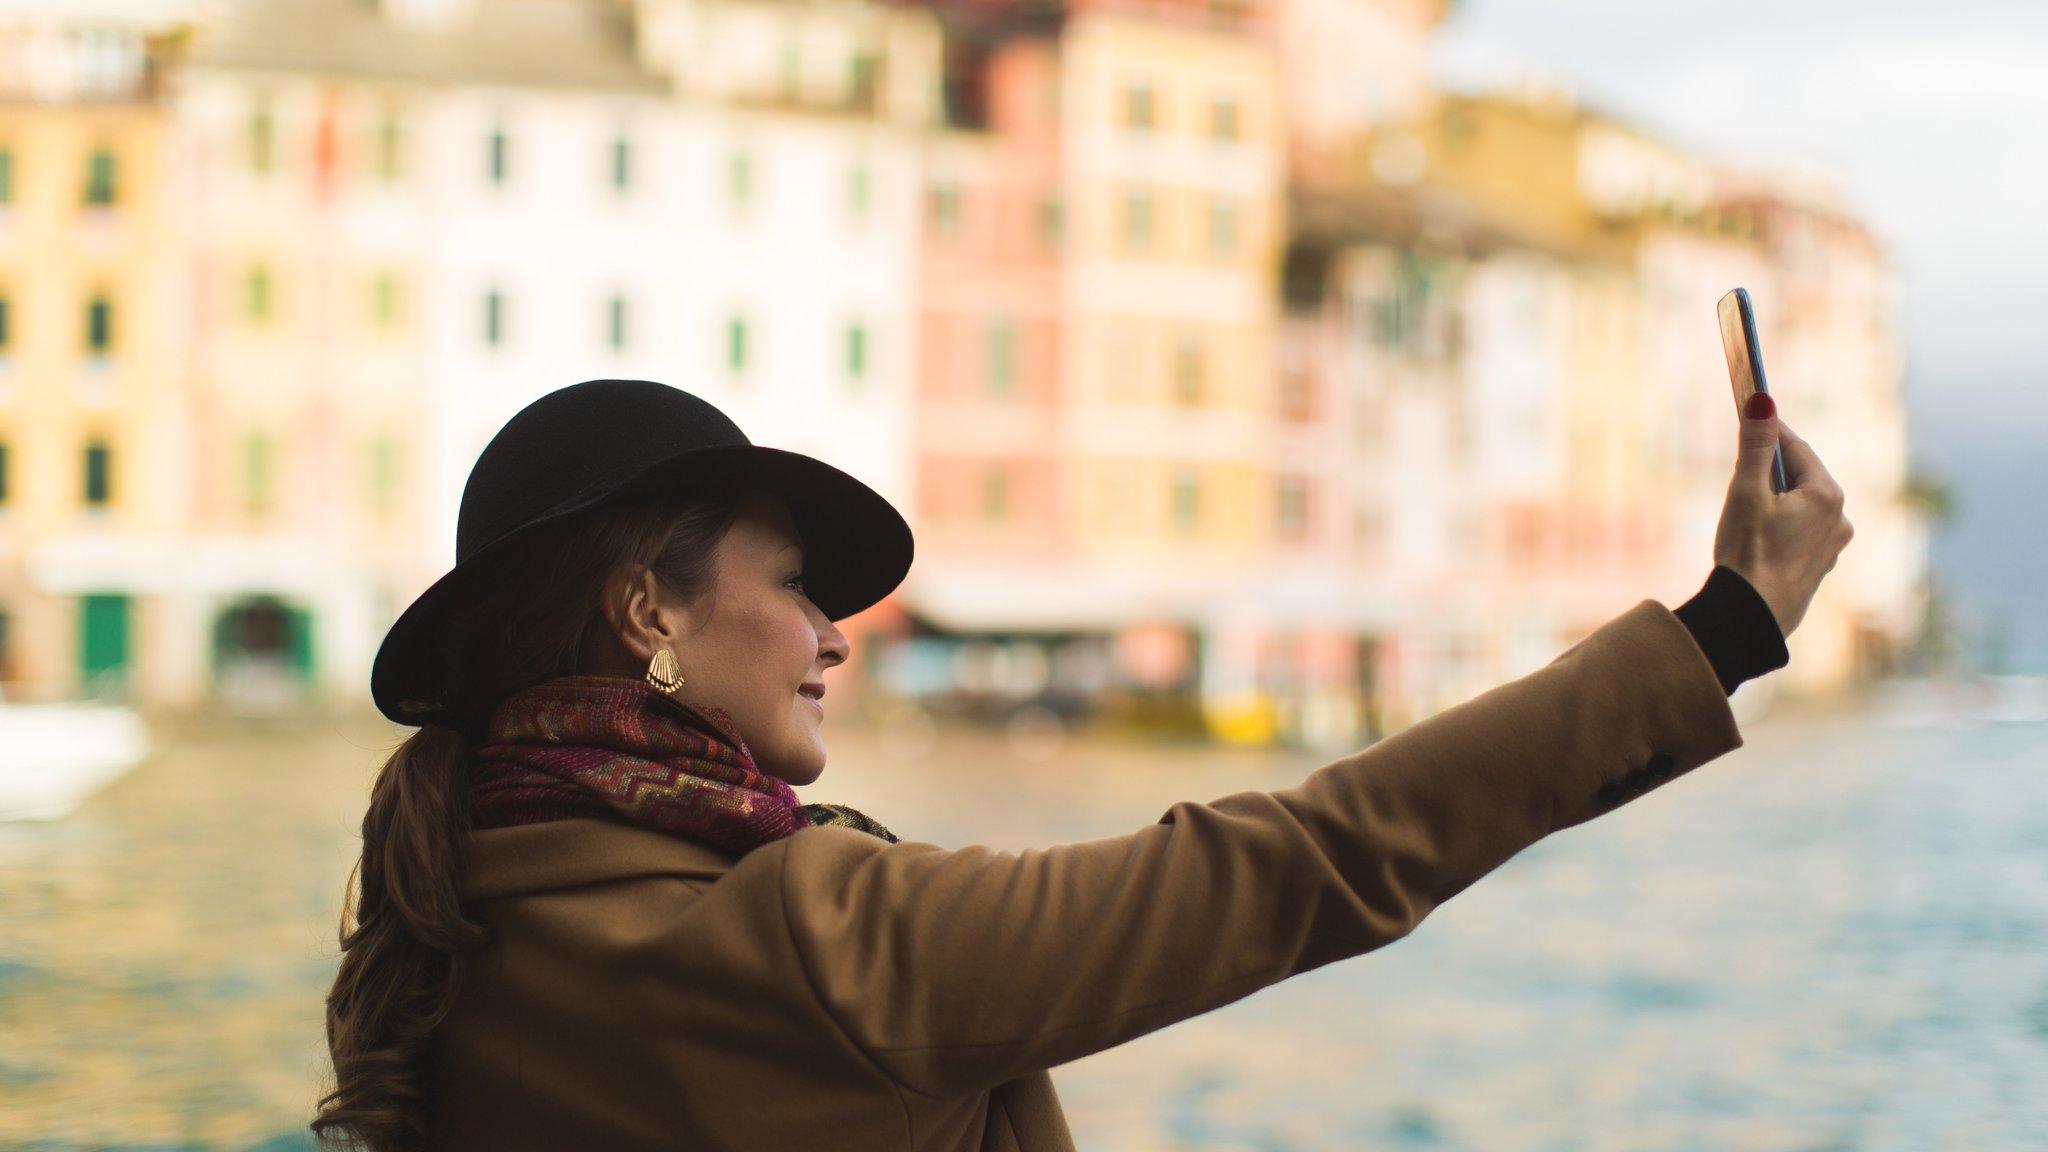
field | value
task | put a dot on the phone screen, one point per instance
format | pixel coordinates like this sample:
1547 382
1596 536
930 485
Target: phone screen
1746 364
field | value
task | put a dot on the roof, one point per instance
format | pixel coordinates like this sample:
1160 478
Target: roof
586 44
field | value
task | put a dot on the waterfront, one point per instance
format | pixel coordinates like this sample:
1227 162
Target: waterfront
1834 938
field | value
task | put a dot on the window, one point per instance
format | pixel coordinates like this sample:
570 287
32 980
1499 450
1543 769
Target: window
384 472
1297 388
736 344
99 325
99 178
1138 110
621 163
1137 220
995 495
616 322
1369 529
864 75
494 317
856 351
1050 222
1293 508
6 175
384 300
259 464
1227 13
740 173
499 155
390 149
946 209
1187 499
1187 371
256 293
262 137
859 191
1223 126
98 466
1002 358
1222 227
1223 120
792 70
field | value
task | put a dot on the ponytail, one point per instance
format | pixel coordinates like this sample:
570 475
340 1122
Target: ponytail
403 960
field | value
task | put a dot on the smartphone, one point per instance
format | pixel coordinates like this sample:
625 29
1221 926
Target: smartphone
1746 365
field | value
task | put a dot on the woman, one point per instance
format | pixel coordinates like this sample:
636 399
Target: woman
593 914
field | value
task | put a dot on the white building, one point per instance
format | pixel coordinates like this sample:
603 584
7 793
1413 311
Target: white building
467 205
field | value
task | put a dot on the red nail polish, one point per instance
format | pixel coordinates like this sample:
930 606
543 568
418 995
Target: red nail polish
1761 406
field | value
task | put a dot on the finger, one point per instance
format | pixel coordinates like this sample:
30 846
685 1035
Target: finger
1803 468
1753 454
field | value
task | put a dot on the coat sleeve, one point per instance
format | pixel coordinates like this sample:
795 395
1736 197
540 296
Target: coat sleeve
955 970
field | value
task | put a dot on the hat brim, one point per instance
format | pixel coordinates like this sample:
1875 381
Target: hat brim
857 549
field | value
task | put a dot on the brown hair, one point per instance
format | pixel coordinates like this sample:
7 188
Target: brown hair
403 961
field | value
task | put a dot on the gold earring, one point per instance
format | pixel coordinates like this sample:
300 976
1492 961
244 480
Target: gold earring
663 672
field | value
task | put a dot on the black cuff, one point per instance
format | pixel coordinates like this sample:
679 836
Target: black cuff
1735 628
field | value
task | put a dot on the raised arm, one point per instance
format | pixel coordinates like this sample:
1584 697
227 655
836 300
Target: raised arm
957 970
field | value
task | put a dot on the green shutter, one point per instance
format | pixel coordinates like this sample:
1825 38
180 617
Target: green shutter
98 478
257 471
385 302
1002 359
99 325
383 471
259 293
103 639
859 191
298 639
261 137
742 175
388 146
99 178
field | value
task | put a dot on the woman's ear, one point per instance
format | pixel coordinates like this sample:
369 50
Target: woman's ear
637 613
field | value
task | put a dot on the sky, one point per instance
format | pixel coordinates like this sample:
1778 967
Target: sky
1934 117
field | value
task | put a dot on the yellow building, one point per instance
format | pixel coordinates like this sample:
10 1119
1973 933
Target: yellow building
1660 235
1174 169
92 388
1174 177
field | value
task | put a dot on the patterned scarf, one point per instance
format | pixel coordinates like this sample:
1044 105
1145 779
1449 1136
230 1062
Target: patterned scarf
616 748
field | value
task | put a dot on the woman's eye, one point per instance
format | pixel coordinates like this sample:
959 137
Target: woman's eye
798 580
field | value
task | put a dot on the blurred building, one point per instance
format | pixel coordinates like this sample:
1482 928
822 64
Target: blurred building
1232 375
1101 256
397 223
93 381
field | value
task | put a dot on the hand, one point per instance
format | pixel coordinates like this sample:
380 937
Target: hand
1781 542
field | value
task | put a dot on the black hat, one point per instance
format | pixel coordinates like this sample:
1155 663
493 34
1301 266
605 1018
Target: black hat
588 443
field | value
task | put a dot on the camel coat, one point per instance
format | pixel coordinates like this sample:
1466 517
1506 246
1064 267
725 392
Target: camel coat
833 991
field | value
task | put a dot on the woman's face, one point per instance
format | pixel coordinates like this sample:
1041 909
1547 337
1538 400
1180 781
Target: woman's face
749 645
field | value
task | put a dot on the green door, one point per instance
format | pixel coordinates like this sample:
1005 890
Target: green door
103 640
298 631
